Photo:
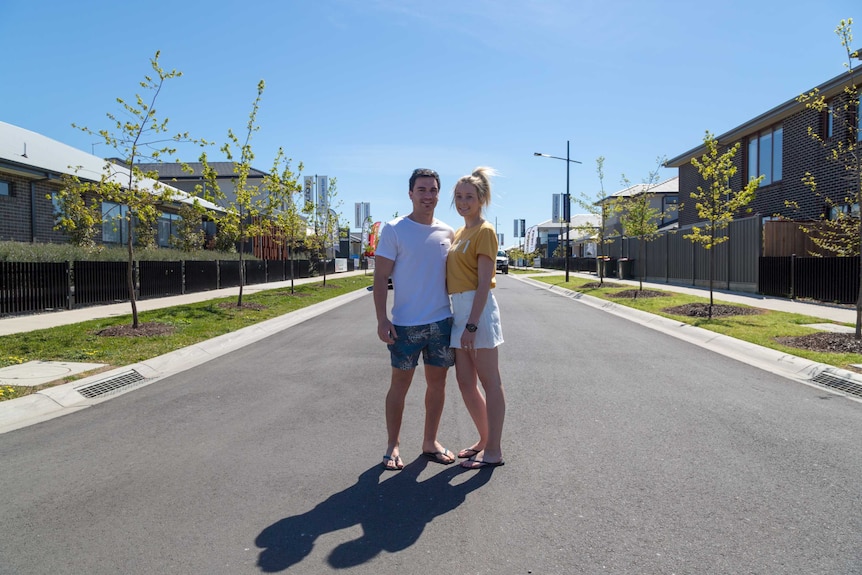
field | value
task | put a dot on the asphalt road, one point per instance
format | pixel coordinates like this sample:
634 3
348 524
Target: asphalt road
627 451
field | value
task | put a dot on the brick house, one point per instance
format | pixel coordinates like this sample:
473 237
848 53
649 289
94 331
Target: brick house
31 171
777 144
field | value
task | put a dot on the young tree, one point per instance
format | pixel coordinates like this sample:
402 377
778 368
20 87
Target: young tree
282 187
246 216
640 218
840 231
139 136
77 210
603 208
326 228
717 203
190 234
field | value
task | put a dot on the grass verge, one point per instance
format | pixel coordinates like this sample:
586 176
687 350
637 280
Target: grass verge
192 323
760 329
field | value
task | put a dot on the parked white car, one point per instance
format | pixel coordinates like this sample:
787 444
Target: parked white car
502 262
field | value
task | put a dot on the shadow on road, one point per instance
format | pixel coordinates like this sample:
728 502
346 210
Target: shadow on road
393 514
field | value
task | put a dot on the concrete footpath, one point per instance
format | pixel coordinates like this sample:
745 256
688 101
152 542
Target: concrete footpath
61 399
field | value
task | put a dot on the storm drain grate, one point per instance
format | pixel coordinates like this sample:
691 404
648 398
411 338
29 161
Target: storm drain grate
118 382
839 383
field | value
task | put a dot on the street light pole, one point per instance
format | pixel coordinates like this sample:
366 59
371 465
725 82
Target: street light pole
567 203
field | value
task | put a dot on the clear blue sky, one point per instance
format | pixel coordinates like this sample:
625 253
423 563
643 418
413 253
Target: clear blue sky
366 90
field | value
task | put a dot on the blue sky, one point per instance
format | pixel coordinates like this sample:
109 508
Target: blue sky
366 90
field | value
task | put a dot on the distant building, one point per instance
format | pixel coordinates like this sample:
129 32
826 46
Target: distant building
665 196
546 236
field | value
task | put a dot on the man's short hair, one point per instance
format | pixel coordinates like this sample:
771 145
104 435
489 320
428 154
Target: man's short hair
423 173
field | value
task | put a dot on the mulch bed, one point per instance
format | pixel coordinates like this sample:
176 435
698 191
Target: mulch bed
824 342
718 310
143 330
636 293
231 305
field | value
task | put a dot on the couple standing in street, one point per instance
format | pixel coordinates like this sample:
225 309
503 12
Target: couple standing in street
429 262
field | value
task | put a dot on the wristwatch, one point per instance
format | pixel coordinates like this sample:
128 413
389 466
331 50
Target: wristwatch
471 327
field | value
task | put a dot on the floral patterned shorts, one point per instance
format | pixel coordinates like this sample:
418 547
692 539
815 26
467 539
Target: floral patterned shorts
431 340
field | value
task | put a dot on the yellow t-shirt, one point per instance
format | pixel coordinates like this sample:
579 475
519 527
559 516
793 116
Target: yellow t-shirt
462 263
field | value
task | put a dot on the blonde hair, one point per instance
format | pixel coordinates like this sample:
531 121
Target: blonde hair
481 180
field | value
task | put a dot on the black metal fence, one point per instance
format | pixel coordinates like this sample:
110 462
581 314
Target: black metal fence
27 287
828 279
160 279
99 282
200 275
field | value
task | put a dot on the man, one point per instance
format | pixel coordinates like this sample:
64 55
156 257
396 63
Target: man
412 250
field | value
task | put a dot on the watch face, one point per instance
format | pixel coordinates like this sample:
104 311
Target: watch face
471 327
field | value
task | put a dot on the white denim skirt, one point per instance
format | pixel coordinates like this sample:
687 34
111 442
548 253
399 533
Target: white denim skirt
490 332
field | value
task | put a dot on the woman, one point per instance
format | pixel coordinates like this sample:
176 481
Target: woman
476 330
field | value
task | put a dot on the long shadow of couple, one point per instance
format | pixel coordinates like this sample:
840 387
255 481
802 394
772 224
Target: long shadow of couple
393 514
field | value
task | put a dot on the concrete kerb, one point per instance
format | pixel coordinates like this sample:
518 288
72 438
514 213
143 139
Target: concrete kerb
63 399
776 362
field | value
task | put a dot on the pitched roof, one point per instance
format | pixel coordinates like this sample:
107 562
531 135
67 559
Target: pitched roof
669 186
35 155
174 170
827 89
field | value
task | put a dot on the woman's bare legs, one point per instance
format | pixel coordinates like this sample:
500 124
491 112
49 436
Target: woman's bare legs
465 373
488 372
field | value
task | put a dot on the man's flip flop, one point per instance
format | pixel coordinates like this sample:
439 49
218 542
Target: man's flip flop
396 460
444 457
480 463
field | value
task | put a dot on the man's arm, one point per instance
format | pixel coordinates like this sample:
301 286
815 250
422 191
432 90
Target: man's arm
382 270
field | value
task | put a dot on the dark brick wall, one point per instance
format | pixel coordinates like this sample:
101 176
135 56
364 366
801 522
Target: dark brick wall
16 215
800 154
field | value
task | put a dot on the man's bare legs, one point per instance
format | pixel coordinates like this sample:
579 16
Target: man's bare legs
468 383
435 399
398 387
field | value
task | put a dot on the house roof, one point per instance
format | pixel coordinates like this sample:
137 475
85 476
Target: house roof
175 170
669 186
827 89
578 220
33 155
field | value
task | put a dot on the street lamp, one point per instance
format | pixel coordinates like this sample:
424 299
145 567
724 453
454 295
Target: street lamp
566 205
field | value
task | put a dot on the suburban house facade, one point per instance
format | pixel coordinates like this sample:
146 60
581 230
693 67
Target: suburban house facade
777 144
32 167
548 235
664 197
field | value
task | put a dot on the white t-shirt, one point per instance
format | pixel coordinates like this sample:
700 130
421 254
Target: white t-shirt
419 274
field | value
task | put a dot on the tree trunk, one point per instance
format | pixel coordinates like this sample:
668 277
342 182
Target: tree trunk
858 334
711 269
130 276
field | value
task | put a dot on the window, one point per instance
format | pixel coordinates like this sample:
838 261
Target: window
669 209
859 119
5 188
827 121
167 229
764 155
115 225
58 208
844 210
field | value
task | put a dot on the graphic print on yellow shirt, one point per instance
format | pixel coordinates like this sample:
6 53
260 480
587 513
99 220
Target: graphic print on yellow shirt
462 264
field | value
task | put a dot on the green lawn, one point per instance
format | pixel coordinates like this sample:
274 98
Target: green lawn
760 329
192 323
